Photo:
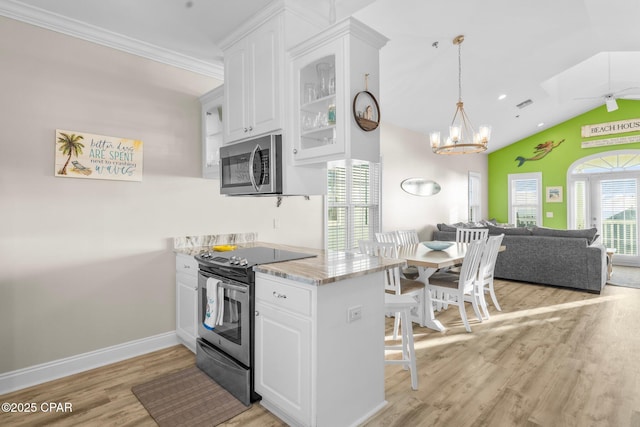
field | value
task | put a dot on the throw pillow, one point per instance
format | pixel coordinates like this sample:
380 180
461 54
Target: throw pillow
509 231
446 227
588 234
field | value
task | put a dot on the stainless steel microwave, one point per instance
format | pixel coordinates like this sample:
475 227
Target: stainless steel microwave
252 167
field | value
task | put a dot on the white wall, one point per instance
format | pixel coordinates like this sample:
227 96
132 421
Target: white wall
87 264
407 154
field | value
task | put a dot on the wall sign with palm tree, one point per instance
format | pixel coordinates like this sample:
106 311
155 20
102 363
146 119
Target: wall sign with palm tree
84 155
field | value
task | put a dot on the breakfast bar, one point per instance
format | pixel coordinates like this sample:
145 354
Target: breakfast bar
319 338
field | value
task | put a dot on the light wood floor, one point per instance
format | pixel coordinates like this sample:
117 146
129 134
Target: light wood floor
552 357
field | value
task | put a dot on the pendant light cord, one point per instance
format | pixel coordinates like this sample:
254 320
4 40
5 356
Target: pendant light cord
459 72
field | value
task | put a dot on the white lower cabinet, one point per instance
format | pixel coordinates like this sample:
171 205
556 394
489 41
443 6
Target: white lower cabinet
313 366
187 300
283 376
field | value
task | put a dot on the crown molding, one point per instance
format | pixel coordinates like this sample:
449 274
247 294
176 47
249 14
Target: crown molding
78 29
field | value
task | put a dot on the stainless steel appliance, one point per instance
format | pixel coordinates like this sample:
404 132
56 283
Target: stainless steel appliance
226 352
252 167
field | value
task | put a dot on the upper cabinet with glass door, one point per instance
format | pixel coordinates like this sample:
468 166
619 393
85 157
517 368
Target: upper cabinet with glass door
328 72
212 130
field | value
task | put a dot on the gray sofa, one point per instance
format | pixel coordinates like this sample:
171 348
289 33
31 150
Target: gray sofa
569 258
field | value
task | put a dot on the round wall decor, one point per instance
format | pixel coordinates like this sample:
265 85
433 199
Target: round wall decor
366 111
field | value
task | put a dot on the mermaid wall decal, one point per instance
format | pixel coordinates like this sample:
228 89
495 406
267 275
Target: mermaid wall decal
540 151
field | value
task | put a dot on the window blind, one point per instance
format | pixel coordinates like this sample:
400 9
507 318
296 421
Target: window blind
525 200
618 204
353 203
475 197
580 204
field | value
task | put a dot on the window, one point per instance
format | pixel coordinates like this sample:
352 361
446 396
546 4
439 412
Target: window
475 197
579 205
525 199
353 203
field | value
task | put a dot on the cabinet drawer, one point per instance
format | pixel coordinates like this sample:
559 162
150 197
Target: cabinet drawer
292 298
186 264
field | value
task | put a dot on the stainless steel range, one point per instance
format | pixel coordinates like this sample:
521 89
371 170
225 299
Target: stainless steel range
226 307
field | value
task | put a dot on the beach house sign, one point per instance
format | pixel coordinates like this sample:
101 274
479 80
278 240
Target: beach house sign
611 128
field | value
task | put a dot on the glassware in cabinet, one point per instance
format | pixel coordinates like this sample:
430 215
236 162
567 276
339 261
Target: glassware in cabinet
317 113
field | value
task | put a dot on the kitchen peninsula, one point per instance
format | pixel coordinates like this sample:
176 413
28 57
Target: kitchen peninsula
319 336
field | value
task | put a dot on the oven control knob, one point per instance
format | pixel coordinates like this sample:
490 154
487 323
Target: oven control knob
244 262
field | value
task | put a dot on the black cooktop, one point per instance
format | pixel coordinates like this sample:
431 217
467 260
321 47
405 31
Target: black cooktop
249 257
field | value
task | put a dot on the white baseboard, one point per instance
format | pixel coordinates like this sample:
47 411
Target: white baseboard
38 374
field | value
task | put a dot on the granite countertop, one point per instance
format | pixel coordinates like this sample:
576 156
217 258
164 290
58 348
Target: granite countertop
327 267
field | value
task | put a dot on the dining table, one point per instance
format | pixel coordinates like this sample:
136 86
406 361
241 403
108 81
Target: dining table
428 262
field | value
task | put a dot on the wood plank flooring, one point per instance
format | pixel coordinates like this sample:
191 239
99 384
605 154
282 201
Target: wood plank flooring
552 357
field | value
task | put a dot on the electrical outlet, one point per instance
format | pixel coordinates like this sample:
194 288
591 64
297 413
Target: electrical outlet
354 313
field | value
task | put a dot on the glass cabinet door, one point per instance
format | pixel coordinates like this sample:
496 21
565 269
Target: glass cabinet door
318 117
318 103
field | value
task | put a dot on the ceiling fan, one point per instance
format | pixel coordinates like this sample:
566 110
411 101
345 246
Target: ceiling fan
610 98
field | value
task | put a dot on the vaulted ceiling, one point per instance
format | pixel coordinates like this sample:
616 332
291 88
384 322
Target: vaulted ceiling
564 56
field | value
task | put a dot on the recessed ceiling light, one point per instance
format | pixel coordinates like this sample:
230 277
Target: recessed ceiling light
540 124
501 97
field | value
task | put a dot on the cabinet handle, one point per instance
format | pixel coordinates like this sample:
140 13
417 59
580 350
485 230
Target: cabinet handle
187 266
250 128
295 151
277 295
257 313
245 130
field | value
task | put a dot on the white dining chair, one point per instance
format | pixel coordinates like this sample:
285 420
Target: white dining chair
394 282
402 304
484 280
466 235
386 237
407 237
403 238
454 289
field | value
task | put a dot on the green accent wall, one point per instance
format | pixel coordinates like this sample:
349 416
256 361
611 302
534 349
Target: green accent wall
555 164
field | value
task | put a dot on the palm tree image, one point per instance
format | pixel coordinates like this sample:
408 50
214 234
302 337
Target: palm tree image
70 145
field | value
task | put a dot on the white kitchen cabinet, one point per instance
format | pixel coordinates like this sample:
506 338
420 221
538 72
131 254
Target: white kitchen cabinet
187 300
328 72
315 366
212 131
283 376
253 71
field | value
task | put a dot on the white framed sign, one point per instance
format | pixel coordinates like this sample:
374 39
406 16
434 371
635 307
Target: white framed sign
86 155
600 129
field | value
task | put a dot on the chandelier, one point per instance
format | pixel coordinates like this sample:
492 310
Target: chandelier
462 139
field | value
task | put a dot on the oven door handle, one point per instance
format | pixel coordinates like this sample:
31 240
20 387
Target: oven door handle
251 159
241 289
